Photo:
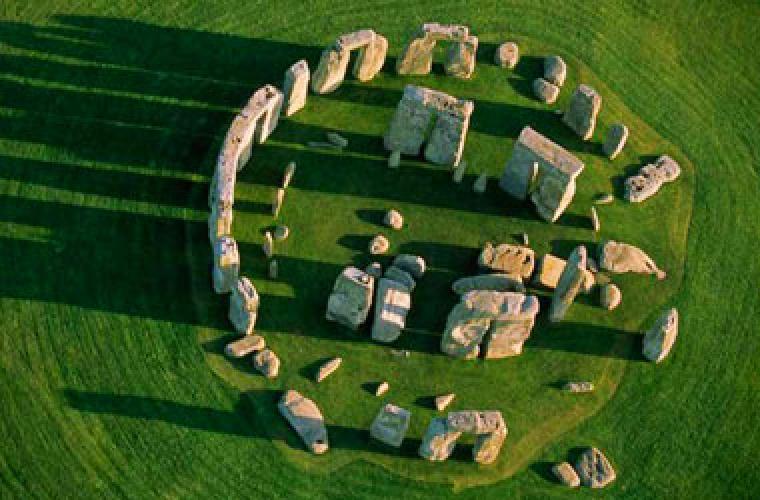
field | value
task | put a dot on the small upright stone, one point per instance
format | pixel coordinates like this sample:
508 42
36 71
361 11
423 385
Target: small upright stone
296 87
659 340
413 264
379 245
337 140
651 178
273 269
555 70
545 91
444 400
595 224
507 55
616 139
459 172
394 160
393 219
390 425
287 176
439 440
566 475
610 296
594 469
525 239
328 368
382 388
480 184
584 107
267 363
268 246
277 199
604 199
281 233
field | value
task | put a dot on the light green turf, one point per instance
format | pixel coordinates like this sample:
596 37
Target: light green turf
110 120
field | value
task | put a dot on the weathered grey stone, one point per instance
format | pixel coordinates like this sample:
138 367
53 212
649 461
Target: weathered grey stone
226 265
244 306
659 340
543 171
498 282
219 223
480 184
486 448
351 298
578 387
460 58
507 55
334 61
382 388
650 178
617 136
439 440
245 346
273 269
281 232
394 160
268 246
393 219
392 305
277 199
545 91
328 368
379 245
390 425
459 170
591 265
267 363
566 475
296 87
594 470
444 400
417 56
400 276
337 140
304 416
505 258
506 317
581 115
595 224
413 264
618 257
375 270
323 145
555 70
569 285
604 199
475 422
287 177
610 296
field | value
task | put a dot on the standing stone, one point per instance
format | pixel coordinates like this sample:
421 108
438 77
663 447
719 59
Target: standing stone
245 346
439 440
545 91
304 416
277 199
337 140
650 178
570 283
566 475
400 276
268 246
394 160
226 265
393 219
480 184
604 199
659 340
382 388
379 245
507 55
219 223
595 224
444 400
413 264
390 425
549 269
287 177
244 306
459 172
281 232
328 368
510 259
610 296
267 363
624 258
594 469
375 270
351 298
617 136
331 70
460 58
296 87
555 70
487 446
391 308
581 115
592 265
370 59
273 269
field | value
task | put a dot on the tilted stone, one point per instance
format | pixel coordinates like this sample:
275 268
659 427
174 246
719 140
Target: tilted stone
337 139
545 91
331 70
393 219
304 416
617 136
480 184
498 282
610 296
382 388
486 448
505 258
390 425
287 177
581 114
555 70
549 268
392 305
296 87
268 246
594 470
439 440
618 257
566 475
245 346
244 306
267 363
460 58
400 276
444 400
569 285
507 55
650 178
413 264
659 340
379 245
226 265
328 368
351 298
595 224
277 199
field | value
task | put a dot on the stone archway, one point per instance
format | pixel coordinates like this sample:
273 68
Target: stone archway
417 57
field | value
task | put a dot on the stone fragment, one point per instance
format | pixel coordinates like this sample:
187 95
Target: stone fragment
507 55
375 270
304 416
486 448
267 363
569 285
505 258
379 245
545 91
604 199
566 475
555 70
273 269
245 346
439 440
618 257
659 340
543 171
480 184
296 87
281 232
277 199
617 136
226 265
328 368
498 282
504 318
337 140
413 264
610 296
268 246
392 305
444 400
382 388
244 306
581 114
390 425
393 219
400 276
650 178
578 387
322 145
287 176
594 470
459 170
460 58
595 224
351 298
394 160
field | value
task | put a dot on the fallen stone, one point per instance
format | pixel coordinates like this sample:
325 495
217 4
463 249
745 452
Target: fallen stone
498 282
659 340
244 306
382 388
268 246
578 387
507 55
604 199
459 170
595 224
392 305
375 270
328 368
566 475
281 232
610 296
287 176
401 353
413 264
267 363
509 259
581 114
226 265
487 447
393 219
273 269
480 184
594 470
555 70
624 258
296 87
390 425
322 145
304 416
394 160
245 346
549 268
650 178
400 276
439 440
444 400
351 298
379 245
617 136
545 91
569 285
475 422
337 140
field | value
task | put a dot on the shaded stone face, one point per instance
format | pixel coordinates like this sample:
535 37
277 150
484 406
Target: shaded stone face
295 88
569 285
581 115
497 282
439 440
267 363
390 425
555 70
659 340
333 63
460 58
244 306
545 91
304 416
391 308
351 298
617 136
417 56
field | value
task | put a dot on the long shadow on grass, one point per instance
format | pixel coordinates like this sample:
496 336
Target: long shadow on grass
583 338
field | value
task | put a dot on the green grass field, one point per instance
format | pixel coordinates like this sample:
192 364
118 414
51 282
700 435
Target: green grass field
113 382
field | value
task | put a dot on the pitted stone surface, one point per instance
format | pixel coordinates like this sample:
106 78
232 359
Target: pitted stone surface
650 179
351 298
584 107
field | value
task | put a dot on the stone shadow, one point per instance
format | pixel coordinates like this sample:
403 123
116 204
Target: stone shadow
583 338
528 69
